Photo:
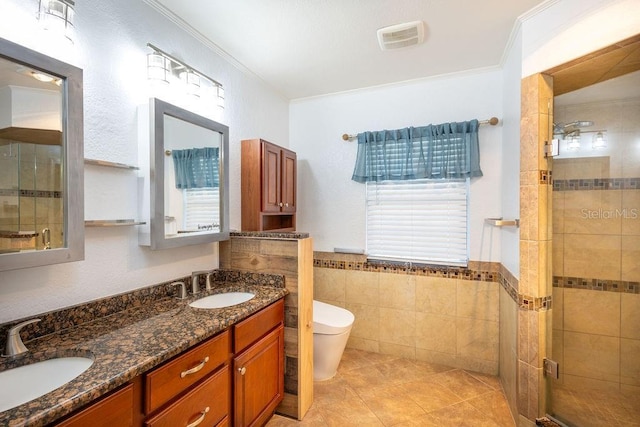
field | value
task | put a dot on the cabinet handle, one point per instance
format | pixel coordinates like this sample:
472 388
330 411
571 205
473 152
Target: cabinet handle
242 370
200 419
194 369
286 205
280 204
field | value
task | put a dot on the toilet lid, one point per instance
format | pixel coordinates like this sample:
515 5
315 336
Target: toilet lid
329 319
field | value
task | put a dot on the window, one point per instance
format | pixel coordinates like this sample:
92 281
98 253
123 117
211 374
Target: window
419 220
202 208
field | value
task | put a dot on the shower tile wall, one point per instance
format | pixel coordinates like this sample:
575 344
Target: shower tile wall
30 193
452 321
596 248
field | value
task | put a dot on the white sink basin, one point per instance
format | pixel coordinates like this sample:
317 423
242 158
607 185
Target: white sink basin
222 300
25 383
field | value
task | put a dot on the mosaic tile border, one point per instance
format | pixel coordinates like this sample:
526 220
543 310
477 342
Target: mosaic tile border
30 193
596 184
495 273
603 285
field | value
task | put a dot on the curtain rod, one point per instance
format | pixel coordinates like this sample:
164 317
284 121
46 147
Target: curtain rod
492 121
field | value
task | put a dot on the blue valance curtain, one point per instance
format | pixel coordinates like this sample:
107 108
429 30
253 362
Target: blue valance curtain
444 151
196 167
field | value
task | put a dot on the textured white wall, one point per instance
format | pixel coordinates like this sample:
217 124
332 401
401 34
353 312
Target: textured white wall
110 47
331 206
510 236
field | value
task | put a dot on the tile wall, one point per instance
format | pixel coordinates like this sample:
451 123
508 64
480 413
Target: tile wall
436 315
30 194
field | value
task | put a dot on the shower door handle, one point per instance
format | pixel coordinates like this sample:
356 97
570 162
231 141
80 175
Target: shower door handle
46 238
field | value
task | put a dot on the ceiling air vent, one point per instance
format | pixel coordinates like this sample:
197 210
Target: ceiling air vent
401 35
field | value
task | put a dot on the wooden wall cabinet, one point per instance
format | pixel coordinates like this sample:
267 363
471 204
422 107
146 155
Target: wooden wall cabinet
269 174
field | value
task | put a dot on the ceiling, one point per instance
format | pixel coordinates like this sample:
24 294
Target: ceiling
305 48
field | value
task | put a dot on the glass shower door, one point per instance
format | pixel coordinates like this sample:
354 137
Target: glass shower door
596 256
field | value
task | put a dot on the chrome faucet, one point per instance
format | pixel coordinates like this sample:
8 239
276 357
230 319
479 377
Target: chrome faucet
195 284
14 345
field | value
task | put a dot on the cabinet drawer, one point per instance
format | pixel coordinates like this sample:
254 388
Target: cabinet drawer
114 410
208 403
255 327
172 378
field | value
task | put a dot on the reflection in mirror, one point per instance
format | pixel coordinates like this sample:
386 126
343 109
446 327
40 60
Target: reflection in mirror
185 190
192 175
40 159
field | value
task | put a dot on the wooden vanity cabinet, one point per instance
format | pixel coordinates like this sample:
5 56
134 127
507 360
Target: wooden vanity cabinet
194 387
268 183
115 409
258 366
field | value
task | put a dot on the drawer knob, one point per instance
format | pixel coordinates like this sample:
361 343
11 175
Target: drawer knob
280 204
200 418
194 369
242 370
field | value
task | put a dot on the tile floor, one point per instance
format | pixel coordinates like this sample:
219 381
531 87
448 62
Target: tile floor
372 389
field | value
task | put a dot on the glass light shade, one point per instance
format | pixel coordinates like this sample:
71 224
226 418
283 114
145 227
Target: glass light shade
599 141
158 67
57 16
573 142
192 82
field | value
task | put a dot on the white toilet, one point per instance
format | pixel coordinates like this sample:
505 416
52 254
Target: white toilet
331 328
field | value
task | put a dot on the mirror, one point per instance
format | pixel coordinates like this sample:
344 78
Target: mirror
185 190
41 159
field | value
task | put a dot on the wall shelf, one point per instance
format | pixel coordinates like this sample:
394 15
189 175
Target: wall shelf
499 222
112 222
110 164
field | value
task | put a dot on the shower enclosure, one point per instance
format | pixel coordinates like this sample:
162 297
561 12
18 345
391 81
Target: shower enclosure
596 255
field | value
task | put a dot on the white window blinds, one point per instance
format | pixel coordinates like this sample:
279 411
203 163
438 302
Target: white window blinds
418 220
202 208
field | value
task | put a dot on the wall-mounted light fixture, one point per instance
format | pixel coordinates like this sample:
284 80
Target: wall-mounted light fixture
58 16
572 133
168 69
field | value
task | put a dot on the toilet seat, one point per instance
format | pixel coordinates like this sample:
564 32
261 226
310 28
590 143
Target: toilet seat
331 320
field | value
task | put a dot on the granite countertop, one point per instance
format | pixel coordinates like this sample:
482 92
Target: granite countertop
127 344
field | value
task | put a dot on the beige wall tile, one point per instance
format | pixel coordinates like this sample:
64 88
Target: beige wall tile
592 356
477 300
398 291
558 255
558 209
577 383
630 314
362 287
631 217
580 306
363 344
436 295
367 321
630 361
558 308
477 339
405 351
436 332
631 258
398 326
557 348
592 212
580 251
329 284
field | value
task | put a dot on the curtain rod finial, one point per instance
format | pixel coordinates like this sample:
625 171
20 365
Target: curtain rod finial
493 121
345 136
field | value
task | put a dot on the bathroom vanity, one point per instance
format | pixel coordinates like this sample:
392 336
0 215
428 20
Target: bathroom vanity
165 363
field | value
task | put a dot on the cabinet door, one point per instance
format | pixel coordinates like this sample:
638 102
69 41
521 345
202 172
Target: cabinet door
259 380
271 175
289 181
114 410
